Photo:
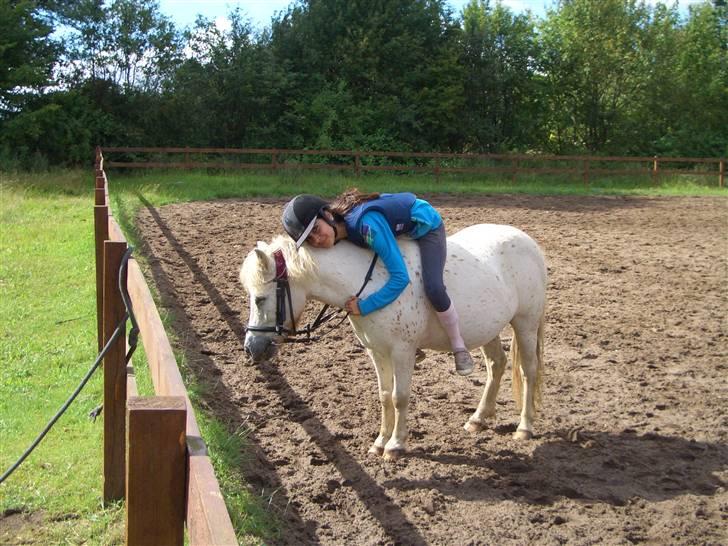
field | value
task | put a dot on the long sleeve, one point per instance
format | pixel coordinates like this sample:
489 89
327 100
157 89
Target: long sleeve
379 237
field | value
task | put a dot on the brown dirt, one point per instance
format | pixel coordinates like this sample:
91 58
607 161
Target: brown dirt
631 443
18 527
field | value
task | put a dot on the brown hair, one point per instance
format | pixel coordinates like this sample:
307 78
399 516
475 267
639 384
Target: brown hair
348 200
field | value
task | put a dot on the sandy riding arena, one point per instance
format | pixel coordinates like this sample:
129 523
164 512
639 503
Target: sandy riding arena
631 445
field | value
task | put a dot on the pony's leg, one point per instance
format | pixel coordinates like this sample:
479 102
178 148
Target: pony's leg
526 351
403 363
383 366
495 361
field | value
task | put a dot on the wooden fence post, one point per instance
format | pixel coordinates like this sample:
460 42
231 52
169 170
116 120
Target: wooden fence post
156 471
101 234
357 164
274 161
585 173
514 171
721 173
99 161
437 169
655 172
114 375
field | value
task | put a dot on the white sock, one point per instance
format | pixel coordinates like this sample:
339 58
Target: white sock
451 323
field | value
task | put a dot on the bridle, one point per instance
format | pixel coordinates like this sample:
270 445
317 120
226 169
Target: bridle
284 305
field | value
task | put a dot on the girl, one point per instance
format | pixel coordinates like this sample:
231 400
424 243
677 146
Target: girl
374 221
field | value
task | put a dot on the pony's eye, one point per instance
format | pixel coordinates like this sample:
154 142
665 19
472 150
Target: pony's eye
259 301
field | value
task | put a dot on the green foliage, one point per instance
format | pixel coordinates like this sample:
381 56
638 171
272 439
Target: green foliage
502 90
610 78
26 53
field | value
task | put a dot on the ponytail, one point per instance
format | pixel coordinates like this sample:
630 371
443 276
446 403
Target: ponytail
349 199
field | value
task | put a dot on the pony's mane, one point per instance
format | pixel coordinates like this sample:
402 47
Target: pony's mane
299 262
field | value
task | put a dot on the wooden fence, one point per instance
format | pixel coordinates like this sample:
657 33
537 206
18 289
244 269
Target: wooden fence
358 162
154 455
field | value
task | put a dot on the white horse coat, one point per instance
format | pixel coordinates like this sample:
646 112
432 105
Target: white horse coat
494 274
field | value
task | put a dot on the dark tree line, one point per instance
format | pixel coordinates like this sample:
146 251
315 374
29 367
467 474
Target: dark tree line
604 77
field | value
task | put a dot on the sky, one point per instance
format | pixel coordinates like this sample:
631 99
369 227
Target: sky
260 12
184 12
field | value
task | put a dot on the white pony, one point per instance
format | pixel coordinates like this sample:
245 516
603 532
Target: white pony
494 274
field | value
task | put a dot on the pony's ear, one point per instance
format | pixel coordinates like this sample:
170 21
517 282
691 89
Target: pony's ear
265 262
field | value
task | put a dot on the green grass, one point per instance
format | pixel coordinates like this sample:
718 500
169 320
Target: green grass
163 187
47 343
48 325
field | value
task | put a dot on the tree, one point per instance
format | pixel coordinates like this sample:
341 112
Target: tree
501 86
225 92
380 74
701 109
27 53
593 61
127 42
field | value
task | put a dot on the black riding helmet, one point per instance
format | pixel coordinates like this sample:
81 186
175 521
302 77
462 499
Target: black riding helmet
300 215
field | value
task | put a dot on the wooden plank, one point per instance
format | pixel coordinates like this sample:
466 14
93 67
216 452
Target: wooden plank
114 376
208 522
480 170
207 519
322 166
686 173
160 356
688 160
418 168
181 165
619 172
156 471
115 233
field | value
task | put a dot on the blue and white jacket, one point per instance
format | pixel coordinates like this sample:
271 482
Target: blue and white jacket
376 224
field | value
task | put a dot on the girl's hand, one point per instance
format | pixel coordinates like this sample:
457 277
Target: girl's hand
352 306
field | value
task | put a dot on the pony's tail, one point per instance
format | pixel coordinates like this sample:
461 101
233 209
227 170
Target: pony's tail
517 369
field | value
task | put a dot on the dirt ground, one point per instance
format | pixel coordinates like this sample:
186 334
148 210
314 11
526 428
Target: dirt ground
630 447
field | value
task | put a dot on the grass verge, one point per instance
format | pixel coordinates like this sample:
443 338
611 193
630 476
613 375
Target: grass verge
47 344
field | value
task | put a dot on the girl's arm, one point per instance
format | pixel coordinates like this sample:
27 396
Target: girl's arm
379 237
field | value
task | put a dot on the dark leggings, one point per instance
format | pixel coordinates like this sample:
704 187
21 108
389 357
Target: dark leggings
433 251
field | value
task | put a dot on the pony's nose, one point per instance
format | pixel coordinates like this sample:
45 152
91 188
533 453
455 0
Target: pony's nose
258 347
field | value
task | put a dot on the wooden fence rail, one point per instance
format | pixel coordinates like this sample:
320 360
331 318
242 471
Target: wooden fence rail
585 167
153 450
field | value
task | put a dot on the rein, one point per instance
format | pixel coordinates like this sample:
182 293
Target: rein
283 296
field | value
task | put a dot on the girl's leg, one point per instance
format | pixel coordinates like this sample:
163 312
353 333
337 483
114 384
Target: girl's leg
433 251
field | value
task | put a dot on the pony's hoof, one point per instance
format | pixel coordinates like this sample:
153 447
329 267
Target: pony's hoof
523 435
474 426
376 450
393 454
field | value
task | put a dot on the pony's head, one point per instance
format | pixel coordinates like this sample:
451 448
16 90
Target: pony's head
273 275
